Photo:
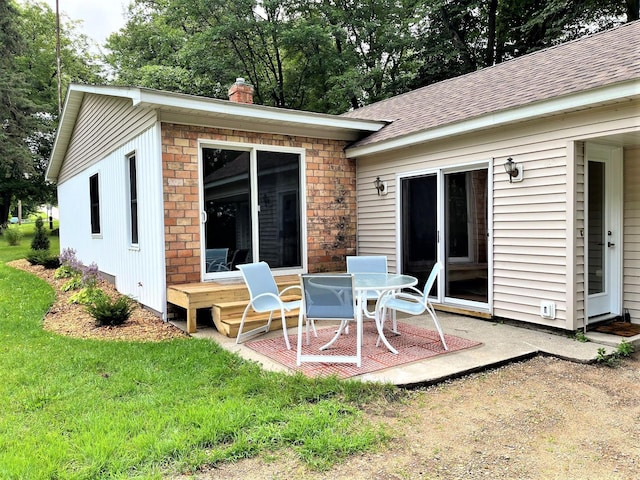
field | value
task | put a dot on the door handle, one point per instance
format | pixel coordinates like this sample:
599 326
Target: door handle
609 244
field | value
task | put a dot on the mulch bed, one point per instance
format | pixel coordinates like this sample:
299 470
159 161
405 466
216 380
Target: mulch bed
73 320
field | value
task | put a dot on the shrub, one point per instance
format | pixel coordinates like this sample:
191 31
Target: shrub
40 239
64 271
13 235
74 283
79 274
111 312
87 296
44 258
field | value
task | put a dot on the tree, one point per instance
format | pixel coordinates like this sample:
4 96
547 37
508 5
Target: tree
28 94
40 239
333 55
460 36
16 121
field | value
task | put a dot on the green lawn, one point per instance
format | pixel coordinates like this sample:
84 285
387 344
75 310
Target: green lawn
86 409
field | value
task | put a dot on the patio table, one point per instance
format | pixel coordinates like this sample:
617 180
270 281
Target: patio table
381 283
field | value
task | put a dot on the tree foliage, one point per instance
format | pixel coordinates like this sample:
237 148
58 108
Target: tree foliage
29 100
333 55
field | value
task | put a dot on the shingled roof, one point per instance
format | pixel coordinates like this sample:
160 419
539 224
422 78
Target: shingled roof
599 60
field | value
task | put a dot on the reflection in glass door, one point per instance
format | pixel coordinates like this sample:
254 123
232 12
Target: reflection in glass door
420 226
457 203
247 219
596 232
227 199
279 215
466 267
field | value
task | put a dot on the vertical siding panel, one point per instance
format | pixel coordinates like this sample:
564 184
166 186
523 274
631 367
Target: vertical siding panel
139 271
631 263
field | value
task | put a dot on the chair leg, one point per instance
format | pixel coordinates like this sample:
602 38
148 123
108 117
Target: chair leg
299 347
340 331
432 312
383 315
242 336
284 328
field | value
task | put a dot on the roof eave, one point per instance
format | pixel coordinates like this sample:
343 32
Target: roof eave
600 96
264 117
168 101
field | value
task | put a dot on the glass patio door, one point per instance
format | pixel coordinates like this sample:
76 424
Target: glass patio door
251 209
444 217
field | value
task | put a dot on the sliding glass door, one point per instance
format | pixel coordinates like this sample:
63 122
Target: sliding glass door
444 217
251 209
465 219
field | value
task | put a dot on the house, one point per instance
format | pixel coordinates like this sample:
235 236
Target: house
519 178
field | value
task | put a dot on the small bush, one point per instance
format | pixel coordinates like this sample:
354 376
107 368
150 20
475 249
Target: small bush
51 263
64 271
79 274
13 235
87 296
108 312
40 239
74 283
44 258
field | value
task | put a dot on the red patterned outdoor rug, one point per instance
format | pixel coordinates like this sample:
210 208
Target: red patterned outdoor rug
413 343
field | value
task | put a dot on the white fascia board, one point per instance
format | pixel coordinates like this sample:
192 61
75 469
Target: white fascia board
622 91
255 112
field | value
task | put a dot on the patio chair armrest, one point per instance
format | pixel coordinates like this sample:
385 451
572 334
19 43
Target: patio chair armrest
403 296
266 295
413 289
291 288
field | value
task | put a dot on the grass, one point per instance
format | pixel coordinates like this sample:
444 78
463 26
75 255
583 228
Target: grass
84 409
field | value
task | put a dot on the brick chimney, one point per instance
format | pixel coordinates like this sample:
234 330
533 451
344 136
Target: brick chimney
241 92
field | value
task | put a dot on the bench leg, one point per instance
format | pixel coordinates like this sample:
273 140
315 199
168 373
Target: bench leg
191 320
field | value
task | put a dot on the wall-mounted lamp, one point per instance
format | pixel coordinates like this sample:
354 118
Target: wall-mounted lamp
514 170
381 186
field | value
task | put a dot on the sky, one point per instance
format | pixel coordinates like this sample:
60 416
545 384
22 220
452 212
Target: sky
100 17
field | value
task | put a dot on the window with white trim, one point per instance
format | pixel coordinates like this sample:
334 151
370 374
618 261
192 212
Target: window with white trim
133 199
94 199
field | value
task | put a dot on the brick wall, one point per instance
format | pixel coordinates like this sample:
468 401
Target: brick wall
331 197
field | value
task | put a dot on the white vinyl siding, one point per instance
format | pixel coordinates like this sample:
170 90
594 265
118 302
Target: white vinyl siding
530 249
631 262
579 290
138 271
100 114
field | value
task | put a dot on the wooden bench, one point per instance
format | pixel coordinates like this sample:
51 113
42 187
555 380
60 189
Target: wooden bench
194 296
228 315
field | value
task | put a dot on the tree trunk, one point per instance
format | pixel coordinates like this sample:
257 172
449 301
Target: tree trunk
490 54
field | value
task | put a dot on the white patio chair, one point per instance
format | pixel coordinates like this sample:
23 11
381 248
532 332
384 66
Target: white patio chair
370 264
264 297
216 259
415 303
328 297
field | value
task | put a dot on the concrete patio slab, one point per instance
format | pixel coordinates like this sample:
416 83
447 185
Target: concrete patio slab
501 343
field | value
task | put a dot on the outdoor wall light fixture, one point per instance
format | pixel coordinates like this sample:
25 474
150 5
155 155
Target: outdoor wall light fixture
514 170
381 186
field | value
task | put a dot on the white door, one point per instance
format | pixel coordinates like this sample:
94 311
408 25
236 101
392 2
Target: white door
604 230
